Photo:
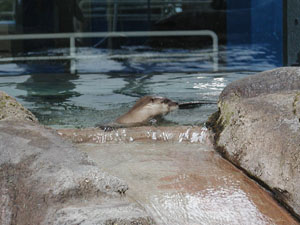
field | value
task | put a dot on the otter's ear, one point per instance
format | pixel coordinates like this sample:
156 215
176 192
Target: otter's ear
166 101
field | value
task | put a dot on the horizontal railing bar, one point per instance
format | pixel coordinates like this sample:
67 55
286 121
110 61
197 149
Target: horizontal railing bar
161 55
67 57
107 34
135 2
73 36
33 58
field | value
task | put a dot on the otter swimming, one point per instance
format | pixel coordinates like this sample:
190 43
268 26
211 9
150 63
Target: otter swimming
145 109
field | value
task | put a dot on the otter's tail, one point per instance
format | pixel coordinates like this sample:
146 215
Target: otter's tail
193 104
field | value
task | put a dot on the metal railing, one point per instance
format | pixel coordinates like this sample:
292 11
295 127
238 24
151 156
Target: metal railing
72 36
133 9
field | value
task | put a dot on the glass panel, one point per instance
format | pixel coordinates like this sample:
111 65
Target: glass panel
86 61
250 33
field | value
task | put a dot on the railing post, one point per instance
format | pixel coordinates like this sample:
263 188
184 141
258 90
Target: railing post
215 52
72 55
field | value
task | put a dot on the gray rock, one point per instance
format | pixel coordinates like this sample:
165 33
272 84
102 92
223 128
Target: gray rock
45 180
10 109
272 81
258 129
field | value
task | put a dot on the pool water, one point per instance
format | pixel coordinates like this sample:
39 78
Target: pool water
106 87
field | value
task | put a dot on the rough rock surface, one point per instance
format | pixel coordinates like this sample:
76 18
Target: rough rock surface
10 109
258 129
45 180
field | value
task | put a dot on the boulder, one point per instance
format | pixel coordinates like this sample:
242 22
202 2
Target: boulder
257 128
46 180
10 109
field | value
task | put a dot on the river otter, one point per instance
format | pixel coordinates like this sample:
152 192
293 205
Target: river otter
145 109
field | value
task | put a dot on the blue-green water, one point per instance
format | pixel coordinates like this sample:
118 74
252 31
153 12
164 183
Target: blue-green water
106 87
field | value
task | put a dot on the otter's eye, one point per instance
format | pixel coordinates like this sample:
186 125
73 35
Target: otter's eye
165 101
152 100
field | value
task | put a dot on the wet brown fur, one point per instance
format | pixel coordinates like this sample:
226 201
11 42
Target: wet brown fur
133 113
141 102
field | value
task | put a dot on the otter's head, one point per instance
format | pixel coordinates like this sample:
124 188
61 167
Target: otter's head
156 105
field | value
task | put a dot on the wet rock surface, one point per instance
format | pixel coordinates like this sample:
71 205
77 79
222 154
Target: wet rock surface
187 183
179 181
45 180
258 129
181 134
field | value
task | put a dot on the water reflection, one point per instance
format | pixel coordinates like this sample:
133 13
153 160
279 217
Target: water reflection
47 88
48 95
136 85
216 84
147 60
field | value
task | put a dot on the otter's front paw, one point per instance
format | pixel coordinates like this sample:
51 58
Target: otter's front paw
105 128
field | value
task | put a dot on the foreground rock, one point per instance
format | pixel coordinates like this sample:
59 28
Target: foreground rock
258 129
45 180
10 109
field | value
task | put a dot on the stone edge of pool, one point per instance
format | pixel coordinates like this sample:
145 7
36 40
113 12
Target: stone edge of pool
173 134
